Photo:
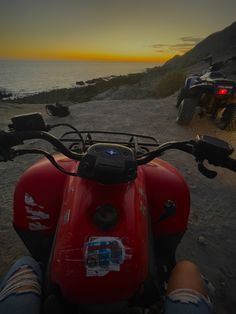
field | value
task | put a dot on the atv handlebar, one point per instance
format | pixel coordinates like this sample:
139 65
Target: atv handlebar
230 164
215 151
11 139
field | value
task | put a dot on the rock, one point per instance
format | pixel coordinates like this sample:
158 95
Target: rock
80 83
95 81
201 240
222 283
4 93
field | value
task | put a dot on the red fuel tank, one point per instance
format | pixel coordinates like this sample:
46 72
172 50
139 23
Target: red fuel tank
38 196
89 264
165 188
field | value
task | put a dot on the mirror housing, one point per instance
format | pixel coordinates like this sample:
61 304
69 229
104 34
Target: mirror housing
28 122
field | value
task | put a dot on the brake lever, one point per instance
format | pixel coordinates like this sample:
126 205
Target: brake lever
210 174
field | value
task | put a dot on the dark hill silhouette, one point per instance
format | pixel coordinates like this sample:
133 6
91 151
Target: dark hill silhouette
220 45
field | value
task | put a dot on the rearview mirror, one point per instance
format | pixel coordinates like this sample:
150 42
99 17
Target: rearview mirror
28 122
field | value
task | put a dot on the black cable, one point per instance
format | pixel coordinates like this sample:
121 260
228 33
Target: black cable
71 127
186 146
17 138
21 152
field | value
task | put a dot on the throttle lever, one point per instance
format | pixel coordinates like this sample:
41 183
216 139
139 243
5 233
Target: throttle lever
210 174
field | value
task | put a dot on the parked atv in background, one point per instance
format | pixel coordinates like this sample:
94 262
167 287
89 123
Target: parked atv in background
103 216
210 93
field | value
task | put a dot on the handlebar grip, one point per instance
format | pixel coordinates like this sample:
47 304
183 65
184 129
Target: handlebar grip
11 139
230 164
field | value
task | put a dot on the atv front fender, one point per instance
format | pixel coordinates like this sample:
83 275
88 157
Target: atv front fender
197 90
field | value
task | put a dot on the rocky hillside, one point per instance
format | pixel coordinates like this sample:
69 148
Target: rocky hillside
220 45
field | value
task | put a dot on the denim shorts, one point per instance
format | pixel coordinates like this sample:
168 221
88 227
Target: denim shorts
20 289
187 301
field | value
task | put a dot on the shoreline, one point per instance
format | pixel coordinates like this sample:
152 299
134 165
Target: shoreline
81 93
33 80
87 90
143 83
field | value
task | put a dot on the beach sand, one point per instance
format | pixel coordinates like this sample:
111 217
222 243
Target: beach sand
211 236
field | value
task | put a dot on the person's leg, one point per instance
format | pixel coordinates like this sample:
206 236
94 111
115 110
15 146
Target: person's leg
20 289
186 292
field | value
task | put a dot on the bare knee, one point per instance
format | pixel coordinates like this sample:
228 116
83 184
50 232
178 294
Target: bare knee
186 275
185 267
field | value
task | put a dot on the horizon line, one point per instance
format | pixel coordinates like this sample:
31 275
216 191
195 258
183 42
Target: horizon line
159 60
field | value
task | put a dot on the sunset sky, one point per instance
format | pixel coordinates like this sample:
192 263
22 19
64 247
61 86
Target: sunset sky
132 30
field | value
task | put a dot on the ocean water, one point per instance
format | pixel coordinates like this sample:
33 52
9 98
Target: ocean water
29 77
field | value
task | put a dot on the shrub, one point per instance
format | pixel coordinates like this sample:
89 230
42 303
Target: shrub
170 83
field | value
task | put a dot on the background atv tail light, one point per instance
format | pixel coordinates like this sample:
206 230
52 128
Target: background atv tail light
222 91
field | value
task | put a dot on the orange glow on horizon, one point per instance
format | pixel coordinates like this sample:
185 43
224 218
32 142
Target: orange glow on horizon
85 57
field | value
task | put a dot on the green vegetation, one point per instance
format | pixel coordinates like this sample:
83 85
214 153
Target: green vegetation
170 83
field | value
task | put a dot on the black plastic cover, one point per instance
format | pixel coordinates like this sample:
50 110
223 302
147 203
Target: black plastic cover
211 149
108 164
28 122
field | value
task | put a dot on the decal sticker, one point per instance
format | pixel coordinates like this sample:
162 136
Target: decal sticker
37 226
153 163
67 216
36 214
143 202
111 152
103 255
30 201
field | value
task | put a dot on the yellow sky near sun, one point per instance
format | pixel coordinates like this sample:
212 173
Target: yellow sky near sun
122 45
35 55
131 30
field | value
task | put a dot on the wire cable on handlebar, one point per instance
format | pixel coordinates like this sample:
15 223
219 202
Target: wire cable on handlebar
73 128
21 152
17 138
186 146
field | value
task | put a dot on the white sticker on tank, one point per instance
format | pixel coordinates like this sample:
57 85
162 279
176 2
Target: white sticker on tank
29 200
36 226
103 255
36 214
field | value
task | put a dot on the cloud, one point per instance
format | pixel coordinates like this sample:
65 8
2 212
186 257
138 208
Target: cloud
159 45
161 50
191 39
176 46
185 44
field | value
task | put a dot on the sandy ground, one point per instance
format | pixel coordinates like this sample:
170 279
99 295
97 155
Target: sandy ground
213 212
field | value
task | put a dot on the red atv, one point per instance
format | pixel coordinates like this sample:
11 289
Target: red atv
105 227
